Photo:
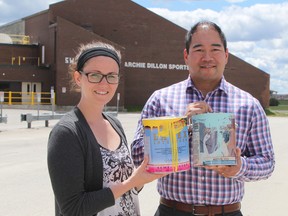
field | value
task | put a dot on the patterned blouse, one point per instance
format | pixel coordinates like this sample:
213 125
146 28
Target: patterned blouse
117 167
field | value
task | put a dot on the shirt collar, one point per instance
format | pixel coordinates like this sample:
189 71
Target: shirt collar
222 87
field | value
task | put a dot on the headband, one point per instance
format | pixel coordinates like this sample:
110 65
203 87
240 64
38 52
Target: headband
94 52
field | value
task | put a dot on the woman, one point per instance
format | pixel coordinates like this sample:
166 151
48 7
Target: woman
89 163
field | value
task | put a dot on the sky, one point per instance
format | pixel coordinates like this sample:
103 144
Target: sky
256 30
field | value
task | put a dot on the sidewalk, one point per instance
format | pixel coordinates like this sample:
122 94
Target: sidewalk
26 189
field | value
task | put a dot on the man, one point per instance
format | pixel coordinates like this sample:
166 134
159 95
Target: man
210 190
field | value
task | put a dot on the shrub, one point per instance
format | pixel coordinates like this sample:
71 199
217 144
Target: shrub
274 102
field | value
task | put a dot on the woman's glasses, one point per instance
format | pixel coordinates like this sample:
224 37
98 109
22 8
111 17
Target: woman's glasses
98 77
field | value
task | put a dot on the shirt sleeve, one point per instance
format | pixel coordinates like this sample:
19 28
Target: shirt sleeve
258 160
66 162
151 109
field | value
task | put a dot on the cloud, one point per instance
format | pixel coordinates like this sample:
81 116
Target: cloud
165 1
235 1
257 34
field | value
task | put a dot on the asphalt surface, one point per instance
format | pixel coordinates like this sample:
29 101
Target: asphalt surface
25 184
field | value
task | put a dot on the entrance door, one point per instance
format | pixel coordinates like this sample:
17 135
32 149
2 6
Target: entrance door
27 89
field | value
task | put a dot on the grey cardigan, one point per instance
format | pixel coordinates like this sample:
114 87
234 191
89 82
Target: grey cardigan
75 166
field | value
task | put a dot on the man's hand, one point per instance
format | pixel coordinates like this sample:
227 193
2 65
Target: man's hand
197 108
228 170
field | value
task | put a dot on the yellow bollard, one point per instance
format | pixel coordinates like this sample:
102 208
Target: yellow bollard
32 98
9 98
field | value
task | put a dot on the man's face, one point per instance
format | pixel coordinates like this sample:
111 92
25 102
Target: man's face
207 57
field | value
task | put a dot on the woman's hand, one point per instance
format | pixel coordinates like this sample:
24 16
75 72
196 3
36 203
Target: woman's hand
142 176
139 177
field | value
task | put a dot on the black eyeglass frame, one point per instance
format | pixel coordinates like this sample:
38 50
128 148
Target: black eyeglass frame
102 77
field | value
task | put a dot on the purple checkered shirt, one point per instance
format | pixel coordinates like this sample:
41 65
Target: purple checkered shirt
199 185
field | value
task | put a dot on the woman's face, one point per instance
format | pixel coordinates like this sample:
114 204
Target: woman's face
100 92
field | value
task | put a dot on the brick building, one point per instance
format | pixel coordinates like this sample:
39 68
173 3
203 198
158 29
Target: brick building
151 46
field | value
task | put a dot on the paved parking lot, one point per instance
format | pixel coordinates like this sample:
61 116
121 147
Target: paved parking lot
26 189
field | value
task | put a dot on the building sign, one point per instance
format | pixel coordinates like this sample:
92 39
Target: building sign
155 66
68 60
145 65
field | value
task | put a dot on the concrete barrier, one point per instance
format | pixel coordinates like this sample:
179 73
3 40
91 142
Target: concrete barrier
3 119
29 118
